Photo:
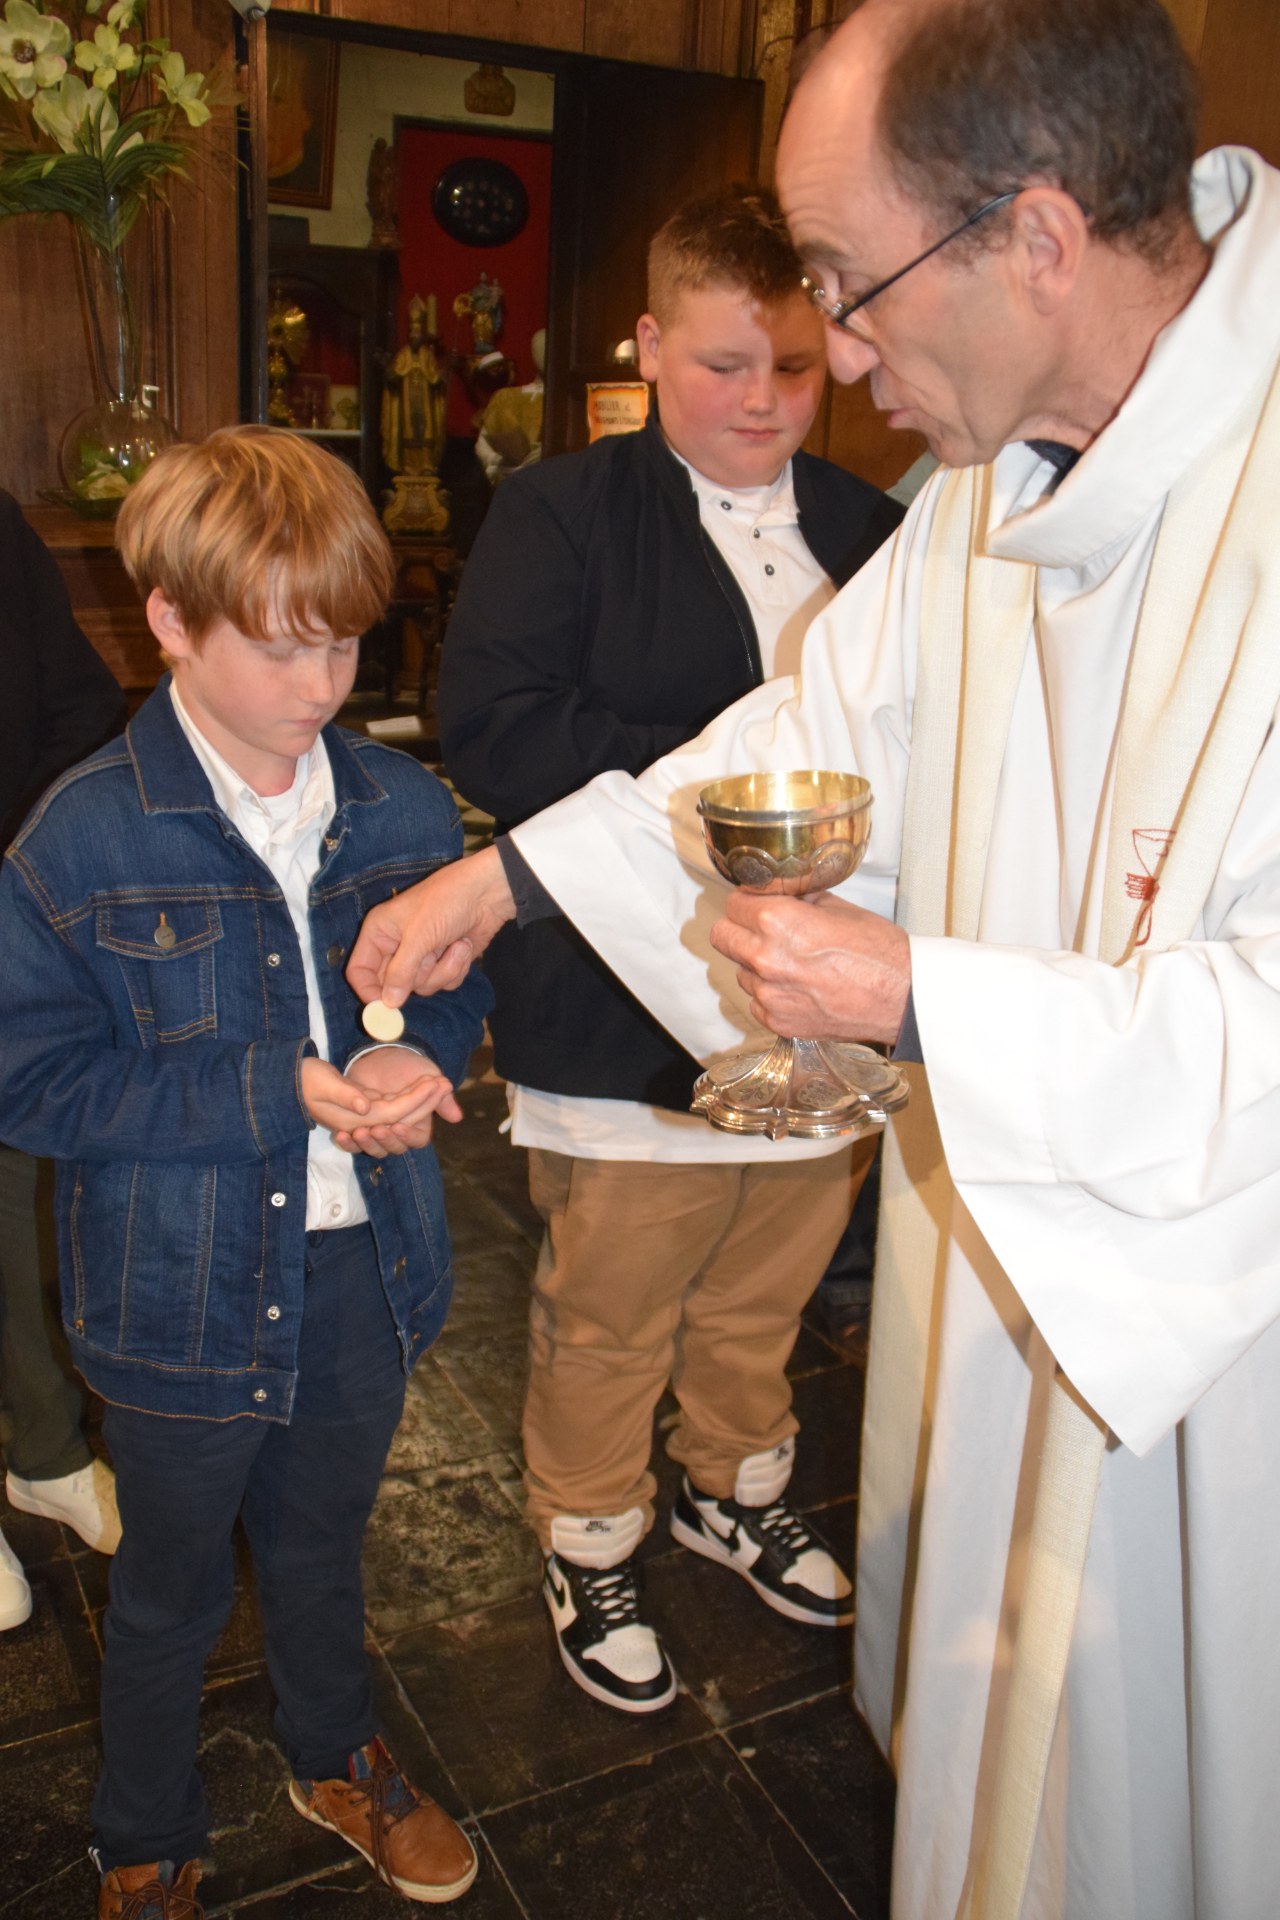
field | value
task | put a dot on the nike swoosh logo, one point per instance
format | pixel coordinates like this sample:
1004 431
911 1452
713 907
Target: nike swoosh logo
558 1593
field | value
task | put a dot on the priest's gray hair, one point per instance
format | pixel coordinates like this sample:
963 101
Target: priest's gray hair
1095 96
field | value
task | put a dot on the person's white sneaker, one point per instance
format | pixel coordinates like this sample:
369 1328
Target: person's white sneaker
15 1594
590 1583
84 1501
605 1642
756 1533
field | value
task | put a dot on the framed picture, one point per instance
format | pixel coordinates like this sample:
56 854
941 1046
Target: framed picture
302 109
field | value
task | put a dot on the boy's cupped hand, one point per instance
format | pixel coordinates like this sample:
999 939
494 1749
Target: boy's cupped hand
384 1104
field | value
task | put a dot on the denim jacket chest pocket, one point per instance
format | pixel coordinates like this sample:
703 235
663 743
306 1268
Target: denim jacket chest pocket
165 947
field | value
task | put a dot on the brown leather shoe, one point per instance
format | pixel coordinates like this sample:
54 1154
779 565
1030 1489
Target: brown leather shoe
158 1891
408 1840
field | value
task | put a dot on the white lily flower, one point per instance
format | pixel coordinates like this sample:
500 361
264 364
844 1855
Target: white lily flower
105 56
60 111
33 46
182 89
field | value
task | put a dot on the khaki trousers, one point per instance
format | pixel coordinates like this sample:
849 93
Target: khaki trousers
652 1272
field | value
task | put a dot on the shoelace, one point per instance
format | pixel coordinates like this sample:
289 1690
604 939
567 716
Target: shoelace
782 1529
610 1594
155 1901
391 1800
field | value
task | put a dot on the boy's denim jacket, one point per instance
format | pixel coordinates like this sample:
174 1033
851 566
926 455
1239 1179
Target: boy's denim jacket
153 1022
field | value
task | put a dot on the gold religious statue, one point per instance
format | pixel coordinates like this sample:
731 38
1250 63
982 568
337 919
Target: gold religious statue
489 90
483 307
287 338
413 428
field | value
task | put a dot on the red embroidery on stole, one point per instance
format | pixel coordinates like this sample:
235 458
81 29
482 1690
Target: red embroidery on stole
1151 844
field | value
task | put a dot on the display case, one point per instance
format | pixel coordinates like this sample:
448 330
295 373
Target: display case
331 323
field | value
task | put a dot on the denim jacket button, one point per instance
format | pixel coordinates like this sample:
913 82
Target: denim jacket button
336 955
273 1313
279 1199
259 1394
273 959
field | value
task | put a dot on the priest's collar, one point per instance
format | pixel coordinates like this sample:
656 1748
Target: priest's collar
1203 370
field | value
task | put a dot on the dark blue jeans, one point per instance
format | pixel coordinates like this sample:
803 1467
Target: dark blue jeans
305 1492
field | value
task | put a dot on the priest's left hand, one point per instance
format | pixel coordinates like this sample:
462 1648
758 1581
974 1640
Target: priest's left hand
817 969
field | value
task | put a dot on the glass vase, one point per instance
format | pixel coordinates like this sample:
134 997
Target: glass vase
108 446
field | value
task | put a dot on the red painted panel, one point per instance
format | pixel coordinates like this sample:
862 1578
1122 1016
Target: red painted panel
431 262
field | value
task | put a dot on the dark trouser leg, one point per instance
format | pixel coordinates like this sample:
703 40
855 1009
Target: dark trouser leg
308 1502
179 1484
42 1404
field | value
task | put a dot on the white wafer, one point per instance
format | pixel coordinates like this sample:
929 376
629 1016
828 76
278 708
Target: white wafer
382 1022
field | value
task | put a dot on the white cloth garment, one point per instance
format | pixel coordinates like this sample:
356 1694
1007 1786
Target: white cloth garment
284 830
757 532
1113 1135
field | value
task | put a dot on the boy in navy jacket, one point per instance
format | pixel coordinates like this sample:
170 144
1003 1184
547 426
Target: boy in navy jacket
252 1237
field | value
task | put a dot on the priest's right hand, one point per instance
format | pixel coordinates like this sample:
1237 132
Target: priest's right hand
423 940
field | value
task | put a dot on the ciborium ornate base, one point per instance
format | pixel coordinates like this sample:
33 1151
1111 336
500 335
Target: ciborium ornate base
794 833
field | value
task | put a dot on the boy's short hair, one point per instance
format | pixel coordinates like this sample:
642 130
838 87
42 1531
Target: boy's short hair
735 238
260 527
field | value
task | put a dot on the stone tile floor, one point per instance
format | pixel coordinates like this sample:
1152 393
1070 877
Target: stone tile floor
756 1796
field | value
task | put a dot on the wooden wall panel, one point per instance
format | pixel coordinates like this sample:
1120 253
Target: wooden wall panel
202 289
529 23
1188 18
47 379
658 36
849 431
607 206
773 42
1240 75
723 35
709 36
418 16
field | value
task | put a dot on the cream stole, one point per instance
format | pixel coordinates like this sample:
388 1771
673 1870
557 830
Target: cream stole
1202 686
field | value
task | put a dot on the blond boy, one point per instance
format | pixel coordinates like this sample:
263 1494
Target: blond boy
244 1288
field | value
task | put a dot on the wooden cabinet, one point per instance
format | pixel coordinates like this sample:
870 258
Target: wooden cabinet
348 295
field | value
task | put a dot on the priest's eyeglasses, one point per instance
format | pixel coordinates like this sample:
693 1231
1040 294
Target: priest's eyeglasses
838 307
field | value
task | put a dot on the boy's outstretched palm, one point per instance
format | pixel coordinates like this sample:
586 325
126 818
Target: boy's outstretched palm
389 1077
385 1105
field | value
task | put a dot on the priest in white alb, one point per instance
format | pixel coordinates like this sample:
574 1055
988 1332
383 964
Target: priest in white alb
1061 680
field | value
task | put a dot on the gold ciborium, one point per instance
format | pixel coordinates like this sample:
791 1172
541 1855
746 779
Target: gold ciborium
794 833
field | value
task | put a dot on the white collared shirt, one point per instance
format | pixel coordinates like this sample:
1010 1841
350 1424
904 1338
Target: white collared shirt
757 532
284 830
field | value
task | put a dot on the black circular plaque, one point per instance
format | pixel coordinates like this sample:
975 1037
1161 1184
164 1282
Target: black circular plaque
482 203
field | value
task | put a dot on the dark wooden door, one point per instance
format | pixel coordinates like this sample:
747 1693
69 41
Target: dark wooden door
631 143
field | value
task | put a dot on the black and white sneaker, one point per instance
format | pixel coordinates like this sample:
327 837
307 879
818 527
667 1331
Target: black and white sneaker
612 1653
788 1566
